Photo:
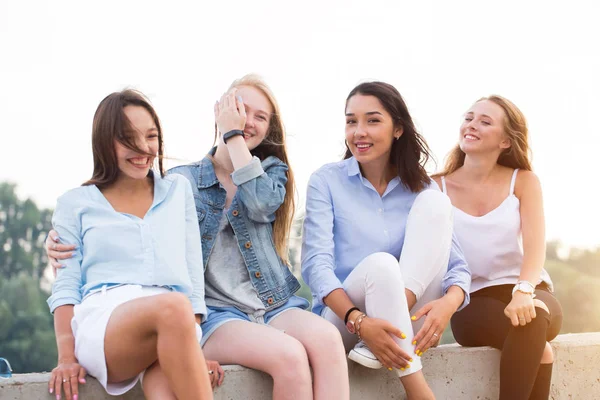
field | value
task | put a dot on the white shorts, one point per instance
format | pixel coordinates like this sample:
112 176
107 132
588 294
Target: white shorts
89 324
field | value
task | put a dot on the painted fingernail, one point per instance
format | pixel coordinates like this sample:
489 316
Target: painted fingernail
414 342
240 99
403 336
51 390
74 397
410 360
58 397
402 369
82 380
389 369
414 318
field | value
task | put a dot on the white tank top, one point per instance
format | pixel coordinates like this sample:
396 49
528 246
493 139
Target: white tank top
492 244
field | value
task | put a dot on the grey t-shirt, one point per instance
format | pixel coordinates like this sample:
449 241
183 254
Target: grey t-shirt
227 281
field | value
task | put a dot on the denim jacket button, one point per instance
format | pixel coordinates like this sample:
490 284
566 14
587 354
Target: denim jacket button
235 213
257 274
248 245
270 300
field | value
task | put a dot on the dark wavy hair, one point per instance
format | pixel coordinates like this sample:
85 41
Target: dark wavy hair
410 152
110 124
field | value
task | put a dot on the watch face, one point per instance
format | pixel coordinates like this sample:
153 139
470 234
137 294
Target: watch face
350 327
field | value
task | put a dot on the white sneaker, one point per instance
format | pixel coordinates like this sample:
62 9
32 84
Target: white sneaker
362 355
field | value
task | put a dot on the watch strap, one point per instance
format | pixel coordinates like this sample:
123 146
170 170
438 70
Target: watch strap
348 313
232 133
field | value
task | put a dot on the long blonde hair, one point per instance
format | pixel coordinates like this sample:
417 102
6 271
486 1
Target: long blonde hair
515 128
274 145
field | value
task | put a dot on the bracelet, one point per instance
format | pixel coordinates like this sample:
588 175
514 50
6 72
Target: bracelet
232 133
348 314
358 323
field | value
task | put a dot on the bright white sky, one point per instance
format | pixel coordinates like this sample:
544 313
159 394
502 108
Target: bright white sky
58 59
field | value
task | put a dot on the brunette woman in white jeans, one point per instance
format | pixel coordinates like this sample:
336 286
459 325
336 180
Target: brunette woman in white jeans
378 243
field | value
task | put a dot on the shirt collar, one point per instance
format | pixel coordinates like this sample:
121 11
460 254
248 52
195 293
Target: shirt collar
161 188
354 169
207 176
352 166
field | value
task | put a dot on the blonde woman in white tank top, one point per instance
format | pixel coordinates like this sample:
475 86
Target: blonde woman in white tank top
499 222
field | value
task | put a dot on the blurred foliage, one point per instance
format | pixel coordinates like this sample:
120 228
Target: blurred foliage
26 325
23 229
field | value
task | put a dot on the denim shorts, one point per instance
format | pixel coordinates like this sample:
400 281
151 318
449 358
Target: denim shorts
218 316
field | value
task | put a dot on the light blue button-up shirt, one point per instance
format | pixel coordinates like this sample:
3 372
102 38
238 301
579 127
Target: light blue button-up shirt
347 220
113 248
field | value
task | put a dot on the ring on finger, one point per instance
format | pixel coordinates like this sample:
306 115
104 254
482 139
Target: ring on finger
210 372
65 380
436 335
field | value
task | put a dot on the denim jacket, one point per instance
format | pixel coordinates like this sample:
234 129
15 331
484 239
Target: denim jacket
260 192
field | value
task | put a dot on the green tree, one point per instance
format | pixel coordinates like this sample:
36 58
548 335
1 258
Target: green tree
26 326
23 229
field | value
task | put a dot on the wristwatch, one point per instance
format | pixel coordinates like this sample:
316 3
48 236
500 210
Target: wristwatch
350 327
232 133
350 324
524 287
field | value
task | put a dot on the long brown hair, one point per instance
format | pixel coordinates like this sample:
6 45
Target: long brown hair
515 128
274 145
410 152
110 125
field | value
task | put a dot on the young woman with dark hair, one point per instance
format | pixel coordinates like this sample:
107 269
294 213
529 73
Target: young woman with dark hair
499 221
124 303
378 243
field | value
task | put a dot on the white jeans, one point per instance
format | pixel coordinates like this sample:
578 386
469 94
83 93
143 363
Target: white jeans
377 284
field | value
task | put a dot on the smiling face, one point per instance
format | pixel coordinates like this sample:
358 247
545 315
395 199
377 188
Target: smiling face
145 135
482 130
258 115
370 129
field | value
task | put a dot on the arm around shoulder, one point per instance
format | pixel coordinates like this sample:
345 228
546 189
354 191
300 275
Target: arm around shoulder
66 290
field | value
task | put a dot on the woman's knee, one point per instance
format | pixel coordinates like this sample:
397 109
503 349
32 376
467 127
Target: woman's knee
291 363
325 342
382 266
174 309
433 203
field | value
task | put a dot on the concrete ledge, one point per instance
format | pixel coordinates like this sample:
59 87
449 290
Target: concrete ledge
453 372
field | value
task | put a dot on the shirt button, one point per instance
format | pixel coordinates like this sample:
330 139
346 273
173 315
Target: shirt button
248 245
257 274
235 213
270 300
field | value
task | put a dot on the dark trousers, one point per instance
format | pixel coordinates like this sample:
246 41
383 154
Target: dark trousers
483 323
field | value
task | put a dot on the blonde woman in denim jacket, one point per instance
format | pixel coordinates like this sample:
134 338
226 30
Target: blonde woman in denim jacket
244 199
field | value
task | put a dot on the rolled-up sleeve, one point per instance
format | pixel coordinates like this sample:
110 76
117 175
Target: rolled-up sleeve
67 287
458 272
194 252
318 248
261 187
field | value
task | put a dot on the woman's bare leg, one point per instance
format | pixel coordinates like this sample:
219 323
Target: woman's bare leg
266 349
160 327
156 385
325 350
